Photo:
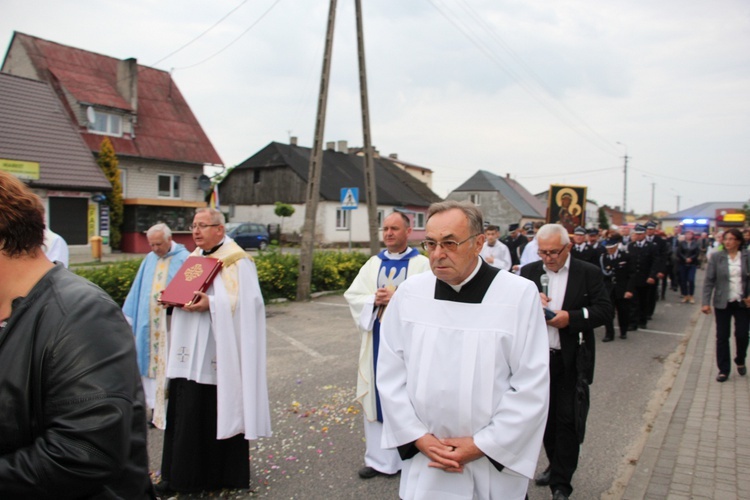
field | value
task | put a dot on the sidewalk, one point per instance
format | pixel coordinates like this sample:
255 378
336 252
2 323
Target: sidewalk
699 446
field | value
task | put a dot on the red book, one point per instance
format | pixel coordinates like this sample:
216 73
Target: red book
195 275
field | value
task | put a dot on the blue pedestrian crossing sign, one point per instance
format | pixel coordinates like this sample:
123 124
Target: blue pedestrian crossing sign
349 198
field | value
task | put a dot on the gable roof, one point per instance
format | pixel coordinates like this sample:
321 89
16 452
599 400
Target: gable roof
704 210
341 170
517 195
166 128
34 127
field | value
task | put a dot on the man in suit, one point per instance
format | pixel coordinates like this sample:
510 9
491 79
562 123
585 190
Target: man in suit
618 279
645 269
575 293
581 249
661 260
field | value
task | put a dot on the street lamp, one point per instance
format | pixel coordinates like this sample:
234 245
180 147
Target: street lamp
624 180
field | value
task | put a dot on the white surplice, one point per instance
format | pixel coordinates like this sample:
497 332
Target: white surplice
226 346
457 369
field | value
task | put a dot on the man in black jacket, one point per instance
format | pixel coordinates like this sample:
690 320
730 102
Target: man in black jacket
575 292
72 419
619 281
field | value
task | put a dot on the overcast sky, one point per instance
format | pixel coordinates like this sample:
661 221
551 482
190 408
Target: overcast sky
541 90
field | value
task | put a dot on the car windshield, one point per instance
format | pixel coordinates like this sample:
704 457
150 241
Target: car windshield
229 226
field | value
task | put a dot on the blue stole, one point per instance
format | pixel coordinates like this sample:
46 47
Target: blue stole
391 273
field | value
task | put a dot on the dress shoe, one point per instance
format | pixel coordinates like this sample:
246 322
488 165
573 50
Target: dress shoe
368 472
722 377
543 478
559 495
742 370
608 338
163 490
624 336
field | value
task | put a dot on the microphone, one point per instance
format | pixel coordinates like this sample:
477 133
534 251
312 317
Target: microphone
544 281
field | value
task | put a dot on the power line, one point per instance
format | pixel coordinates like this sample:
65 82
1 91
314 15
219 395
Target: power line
201 35
539 96
234 40
691 181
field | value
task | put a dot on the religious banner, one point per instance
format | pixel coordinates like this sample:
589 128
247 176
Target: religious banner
567 206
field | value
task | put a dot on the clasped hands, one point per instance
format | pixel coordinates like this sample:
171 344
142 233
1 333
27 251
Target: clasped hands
200 304
449 454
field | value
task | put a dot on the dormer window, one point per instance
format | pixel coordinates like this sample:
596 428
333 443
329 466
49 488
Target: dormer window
104 123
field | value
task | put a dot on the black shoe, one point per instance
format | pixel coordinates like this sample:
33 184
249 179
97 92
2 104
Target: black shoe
368 472
608 338
742 370
163 490
559 495
543 478
722 377
624 336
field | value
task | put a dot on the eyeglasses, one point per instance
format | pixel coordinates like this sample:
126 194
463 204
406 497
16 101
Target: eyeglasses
550 253
448 245
201 226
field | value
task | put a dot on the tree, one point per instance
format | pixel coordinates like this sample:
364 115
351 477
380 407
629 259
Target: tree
603 220
283 210
109 164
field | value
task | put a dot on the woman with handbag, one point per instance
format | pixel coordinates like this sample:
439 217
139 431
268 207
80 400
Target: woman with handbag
728 279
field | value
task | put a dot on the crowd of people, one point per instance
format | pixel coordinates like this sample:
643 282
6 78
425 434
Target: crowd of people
475 353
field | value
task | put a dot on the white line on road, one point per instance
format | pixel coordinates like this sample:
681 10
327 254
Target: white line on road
656 331
296 343
332 304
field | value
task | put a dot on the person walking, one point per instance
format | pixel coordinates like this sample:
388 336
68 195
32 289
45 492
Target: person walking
688 257
728 280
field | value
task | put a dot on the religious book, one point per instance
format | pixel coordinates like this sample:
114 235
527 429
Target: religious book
195 275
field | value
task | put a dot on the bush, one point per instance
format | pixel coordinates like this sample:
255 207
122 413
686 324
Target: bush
277 273
115 279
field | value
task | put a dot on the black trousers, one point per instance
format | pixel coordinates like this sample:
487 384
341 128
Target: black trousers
193 459
560 438
640 306
622 308
724 317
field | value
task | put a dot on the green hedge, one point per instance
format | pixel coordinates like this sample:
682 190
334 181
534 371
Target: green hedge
277 273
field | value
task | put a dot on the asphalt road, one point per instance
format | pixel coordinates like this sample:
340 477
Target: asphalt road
318 445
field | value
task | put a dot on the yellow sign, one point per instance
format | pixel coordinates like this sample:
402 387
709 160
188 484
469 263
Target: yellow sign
28 170
734 218
92 220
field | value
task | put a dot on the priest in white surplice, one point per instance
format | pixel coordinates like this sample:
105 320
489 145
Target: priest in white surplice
368 297
218 397
463 369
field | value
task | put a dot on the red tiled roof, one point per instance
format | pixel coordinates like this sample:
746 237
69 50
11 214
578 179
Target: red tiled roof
166 128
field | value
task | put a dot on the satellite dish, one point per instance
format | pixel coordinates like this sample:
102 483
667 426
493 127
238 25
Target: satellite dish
204 183
90 115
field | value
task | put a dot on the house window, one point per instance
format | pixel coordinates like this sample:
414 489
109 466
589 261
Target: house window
419 220
474 198
106 124
169 186
342 219
381 217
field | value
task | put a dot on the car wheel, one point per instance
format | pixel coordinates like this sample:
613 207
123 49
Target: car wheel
263 245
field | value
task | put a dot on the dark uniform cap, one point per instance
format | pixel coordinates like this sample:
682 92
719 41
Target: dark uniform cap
579 230
529 226
639 229
651 225
512 227
613 241
593 231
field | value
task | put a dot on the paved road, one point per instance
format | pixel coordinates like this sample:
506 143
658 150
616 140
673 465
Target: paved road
317 445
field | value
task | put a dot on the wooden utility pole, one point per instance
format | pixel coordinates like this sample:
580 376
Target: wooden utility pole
316 165
369 167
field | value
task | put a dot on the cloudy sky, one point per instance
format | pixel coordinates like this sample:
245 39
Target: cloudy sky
548 92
